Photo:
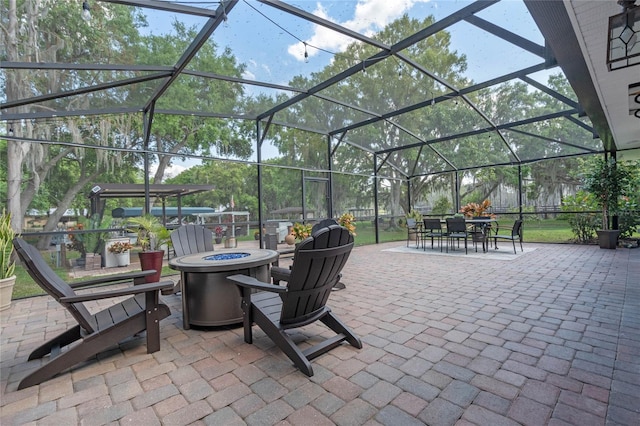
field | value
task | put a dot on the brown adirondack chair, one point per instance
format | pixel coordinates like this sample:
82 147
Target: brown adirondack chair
276 309
99 331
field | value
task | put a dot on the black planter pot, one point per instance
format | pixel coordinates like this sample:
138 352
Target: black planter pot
608 239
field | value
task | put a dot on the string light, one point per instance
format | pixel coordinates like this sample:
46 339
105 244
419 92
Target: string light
306 54
225 19
86 11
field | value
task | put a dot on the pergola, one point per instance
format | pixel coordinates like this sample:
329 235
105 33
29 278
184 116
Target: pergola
557 39
100 192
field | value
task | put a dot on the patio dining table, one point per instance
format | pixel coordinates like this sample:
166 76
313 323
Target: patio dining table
481 230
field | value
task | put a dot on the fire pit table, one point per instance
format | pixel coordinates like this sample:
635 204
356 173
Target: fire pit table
208 299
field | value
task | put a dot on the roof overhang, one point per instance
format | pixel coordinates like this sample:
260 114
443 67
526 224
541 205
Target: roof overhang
576 32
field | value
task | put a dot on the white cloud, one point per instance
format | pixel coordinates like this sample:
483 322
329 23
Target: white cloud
171 171
248 75
369 17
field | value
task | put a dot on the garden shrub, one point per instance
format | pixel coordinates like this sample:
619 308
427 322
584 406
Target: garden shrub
584 223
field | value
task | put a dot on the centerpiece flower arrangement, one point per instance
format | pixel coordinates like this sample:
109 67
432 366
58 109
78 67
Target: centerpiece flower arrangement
120 247
476 209
348 221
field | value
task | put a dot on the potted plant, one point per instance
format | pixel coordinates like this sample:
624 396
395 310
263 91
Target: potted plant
348 221
299 231
472 210
7 265
152 237
609 181
89 244
120 249
219 233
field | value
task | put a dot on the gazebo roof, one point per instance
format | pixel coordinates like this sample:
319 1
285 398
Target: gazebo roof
128 190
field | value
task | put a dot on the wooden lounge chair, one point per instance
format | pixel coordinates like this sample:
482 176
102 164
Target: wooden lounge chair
189 239
99 331
276 309
279 274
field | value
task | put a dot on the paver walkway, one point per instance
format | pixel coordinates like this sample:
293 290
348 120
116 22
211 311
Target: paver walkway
550 337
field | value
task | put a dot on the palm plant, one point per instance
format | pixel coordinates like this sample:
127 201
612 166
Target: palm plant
7 265
152 235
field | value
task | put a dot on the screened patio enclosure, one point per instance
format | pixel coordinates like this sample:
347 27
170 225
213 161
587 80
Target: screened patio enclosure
321 104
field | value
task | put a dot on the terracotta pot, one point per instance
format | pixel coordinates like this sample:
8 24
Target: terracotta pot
290 239
151 260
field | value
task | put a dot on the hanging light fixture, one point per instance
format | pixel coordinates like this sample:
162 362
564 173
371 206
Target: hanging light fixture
86 11
623 42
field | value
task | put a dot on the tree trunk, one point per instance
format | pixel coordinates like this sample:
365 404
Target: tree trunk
63 205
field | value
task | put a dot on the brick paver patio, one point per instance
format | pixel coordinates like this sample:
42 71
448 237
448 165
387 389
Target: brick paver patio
550 337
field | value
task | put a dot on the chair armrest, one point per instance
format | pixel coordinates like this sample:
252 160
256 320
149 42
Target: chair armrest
115 278
277 270
280 274
250 282
136 289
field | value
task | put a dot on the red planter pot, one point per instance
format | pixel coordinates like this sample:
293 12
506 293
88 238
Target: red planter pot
151 260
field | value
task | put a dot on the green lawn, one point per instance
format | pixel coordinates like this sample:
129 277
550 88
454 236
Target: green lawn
536 231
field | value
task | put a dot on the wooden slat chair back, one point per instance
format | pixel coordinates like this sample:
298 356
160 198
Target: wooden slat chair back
98 332
318 263
319 260
279 274
190 239
51 282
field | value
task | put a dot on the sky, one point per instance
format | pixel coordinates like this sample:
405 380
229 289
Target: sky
271 43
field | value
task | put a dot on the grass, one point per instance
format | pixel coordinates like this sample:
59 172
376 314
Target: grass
535 231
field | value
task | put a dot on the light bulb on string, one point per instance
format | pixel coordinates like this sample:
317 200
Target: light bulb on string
306 54
225 19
